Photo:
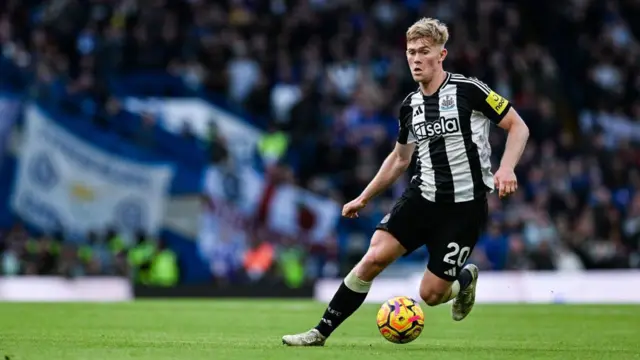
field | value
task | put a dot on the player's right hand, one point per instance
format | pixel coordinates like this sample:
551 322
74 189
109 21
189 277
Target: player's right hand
350 209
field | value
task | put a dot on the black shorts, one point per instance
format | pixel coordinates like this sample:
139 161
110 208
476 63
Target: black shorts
449 230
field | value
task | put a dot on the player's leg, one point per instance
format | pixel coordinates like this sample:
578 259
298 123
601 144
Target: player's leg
464 301
395 235
447 277
435 291
383 250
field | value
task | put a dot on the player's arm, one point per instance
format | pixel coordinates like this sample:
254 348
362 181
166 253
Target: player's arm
500 112
517 135
398 160
393 166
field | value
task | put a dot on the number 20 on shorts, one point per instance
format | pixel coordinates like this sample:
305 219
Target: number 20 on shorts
461 253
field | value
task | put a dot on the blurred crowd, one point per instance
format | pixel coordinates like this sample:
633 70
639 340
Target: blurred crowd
145 259
324 79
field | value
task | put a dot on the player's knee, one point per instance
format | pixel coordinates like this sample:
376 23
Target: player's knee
370 266
431 297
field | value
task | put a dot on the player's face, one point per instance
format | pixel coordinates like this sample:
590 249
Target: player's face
424 59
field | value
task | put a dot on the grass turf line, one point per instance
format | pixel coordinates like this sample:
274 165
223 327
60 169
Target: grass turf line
251 329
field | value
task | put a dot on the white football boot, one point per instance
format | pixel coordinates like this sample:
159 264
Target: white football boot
309 338
463 303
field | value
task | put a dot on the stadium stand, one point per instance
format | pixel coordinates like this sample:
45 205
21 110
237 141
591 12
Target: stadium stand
323 79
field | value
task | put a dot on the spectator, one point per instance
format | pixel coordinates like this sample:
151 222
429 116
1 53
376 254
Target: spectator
326 78
163 270
259 259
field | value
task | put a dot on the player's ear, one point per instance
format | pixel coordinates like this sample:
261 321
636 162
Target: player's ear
443 54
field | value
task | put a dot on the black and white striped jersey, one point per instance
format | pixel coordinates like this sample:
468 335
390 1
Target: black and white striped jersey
451 132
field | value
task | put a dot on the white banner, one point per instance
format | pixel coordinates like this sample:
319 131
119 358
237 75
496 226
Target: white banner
63 180
199 115
240 198
233 197
51 288
544 287
293 210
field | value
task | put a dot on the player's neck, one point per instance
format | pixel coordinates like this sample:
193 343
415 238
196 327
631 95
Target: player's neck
432 86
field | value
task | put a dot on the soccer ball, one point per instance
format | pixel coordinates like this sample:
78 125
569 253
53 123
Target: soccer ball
400 320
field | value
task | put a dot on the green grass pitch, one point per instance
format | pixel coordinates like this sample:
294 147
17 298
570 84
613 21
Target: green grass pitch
251 329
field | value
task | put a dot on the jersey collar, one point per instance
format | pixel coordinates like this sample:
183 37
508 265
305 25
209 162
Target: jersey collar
444 83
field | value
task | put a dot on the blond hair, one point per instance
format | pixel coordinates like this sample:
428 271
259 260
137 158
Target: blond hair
432 29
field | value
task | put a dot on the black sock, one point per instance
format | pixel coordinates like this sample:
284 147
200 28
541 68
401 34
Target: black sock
465 279
344 303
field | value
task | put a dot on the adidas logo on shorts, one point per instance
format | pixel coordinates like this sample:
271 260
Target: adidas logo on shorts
451 272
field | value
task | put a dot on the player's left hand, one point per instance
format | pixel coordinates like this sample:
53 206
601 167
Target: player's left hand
505 181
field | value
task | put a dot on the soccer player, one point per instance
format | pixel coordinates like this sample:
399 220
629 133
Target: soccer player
445 207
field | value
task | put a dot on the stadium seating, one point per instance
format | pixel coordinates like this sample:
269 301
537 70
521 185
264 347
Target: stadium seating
334 90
